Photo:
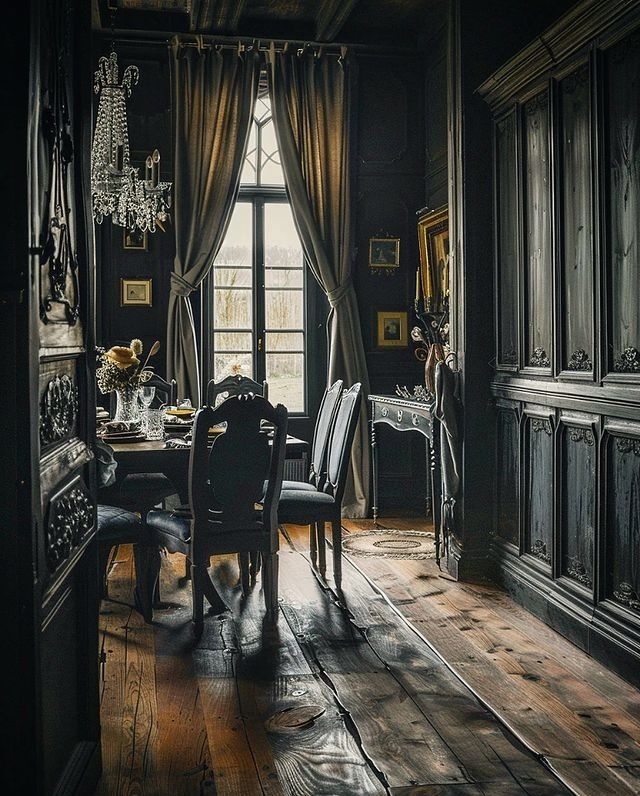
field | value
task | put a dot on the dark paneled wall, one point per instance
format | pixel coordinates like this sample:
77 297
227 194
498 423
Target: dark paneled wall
567 520
390 168
149 117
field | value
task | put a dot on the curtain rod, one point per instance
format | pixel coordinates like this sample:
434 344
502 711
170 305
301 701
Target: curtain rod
157 37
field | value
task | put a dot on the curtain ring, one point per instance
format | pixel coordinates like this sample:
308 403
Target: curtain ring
199 43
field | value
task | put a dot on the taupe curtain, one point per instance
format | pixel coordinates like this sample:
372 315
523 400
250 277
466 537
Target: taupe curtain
214 91
311 104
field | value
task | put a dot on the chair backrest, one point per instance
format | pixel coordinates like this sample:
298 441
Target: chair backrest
235 385
344 429
166 391
322 432
227 481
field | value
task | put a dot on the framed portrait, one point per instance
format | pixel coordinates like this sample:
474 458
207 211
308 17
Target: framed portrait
134 239
433 244
391 329
384 252
135 292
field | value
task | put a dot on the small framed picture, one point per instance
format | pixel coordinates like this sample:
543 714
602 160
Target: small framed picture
384 252
391 329
135 292
134 239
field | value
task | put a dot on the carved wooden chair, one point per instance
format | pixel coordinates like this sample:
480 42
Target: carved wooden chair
230 511
321 504
235 385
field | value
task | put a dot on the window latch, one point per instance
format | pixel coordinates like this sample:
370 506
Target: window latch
259 343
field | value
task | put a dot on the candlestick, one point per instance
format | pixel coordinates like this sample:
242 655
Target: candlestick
417 286
148 168
155 173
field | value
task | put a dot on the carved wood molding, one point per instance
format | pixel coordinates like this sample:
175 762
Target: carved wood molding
577 571
581 435
628 361
58 263
538 425
626 594
628 445
539 550
579 360
70 519
539 359
58 410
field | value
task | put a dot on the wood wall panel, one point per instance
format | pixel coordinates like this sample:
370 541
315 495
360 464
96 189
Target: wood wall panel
507 242
538 231
623 521
578 500
508 474
576 222
540 489
623 178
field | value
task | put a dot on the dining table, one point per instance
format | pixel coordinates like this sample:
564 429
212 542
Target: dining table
155 456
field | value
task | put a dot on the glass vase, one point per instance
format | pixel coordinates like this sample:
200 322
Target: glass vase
127 405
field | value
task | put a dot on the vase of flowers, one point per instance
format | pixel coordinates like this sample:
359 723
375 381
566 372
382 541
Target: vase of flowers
122 372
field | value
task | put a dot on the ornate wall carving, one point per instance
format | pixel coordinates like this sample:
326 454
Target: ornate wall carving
58 410
70 519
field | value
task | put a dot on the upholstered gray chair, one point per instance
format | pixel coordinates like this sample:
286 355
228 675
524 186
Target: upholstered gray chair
323 503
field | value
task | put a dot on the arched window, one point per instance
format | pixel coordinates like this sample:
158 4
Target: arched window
257 287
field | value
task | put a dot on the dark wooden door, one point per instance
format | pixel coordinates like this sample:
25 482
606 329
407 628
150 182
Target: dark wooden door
46 461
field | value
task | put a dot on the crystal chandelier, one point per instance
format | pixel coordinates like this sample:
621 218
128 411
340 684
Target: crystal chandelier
116 188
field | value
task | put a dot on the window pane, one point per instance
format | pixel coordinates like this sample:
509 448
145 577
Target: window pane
285 375
281 243
284 309
231 364
248 175
232 277
233 341
232 309
237 248
284 341
284 278
262 109
270 168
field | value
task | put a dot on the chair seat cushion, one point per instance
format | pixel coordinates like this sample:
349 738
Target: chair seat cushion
303 507
118 525
169 530
138 491
298 486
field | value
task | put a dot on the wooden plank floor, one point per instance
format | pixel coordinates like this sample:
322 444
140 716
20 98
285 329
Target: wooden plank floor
390 716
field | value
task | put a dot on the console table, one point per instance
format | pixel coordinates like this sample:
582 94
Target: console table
404 414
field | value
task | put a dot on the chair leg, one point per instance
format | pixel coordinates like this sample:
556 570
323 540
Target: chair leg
313 545
147 564
243 564
336 538
103 560
322 549
254 566
197 599
187 568
210 592
270 584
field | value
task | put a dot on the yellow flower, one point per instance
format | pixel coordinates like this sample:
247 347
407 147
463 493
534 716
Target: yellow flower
136 346
122 356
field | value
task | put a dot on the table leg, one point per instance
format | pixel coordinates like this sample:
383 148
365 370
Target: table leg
374 468
435 493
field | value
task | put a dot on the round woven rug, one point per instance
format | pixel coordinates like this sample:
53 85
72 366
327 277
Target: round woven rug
390 543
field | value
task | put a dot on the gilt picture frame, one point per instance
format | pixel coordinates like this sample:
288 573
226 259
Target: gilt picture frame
134 239
433 246
135 292
391 329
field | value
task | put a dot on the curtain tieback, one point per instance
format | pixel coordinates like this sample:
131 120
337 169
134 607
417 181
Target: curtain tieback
336 295
180 286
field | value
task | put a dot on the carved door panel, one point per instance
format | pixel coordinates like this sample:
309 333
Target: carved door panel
53 551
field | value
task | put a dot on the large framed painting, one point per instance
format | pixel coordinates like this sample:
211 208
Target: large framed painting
433 243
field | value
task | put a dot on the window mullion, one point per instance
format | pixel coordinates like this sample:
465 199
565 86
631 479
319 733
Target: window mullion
258 287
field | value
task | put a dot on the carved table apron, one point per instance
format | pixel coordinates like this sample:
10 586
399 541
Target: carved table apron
403 414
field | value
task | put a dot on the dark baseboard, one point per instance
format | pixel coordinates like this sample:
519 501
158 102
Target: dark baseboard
607 632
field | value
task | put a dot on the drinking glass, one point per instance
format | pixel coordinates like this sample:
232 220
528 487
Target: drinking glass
184 403
146 395
155 424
